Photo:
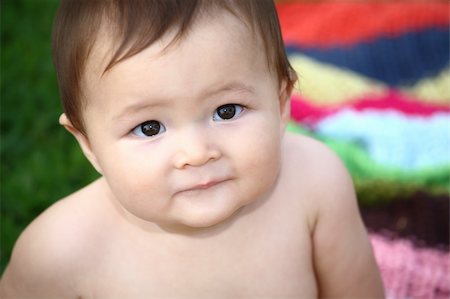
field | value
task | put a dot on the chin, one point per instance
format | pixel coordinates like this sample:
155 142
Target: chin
207 219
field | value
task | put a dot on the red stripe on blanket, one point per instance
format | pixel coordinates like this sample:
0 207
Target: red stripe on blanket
304 111
339 23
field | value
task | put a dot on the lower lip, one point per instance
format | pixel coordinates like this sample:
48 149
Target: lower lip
203 187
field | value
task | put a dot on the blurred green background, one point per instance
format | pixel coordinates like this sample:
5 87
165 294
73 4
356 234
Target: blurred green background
40 161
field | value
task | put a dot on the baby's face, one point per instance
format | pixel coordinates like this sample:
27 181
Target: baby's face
189 136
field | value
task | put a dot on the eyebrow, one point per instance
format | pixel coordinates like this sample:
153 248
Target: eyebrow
133 108
235 87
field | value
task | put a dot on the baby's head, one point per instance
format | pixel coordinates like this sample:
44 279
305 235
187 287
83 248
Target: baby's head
135 25
180 105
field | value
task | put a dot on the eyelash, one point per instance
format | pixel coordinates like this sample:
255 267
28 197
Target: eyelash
154 127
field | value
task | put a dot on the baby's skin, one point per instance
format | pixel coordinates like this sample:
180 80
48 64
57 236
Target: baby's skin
202 193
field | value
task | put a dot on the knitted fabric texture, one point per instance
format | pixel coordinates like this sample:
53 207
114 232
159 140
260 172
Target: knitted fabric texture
374 85
409 271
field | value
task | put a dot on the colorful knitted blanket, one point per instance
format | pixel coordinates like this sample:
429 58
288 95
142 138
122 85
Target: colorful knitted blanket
374 85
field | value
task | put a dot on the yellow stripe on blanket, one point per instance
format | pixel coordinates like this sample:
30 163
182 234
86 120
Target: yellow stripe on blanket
325 84
435 90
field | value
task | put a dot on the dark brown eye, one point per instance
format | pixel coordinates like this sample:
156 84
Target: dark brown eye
227 112
149 128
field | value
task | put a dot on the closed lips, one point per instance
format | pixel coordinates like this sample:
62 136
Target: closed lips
202 186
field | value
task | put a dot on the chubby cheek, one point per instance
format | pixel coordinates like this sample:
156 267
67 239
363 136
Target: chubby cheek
260 156
136 178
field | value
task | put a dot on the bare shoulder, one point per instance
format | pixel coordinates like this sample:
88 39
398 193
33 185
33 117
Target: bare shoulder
52 249
338 234
315 167
312 154
328 185
311 175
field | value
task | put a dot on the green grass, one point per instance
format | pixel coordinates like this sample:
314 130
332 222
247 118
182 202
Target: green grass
40 161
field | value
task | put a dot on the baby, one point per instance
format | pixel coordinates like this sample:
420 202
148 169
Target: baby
181 106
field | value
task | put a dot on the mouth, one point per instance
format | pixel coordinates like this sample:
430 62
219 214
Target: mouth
203 186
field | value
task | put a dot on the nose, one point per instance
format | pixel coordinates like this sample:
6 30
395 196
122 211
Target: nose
195 148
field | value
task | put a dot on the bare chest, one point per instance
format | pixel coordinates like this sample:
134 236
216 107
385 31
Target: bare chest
256 267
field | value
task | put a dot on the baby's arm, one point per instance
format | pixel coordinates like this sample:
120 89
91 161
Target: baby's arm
343 257
38 267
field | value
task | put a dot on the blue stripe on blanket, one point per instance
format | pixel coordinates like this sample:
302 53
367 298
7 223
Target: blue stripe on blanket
402 60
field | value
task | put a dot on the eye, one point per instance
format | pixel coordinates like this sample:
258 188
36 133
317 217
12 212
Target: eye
227 112
149 128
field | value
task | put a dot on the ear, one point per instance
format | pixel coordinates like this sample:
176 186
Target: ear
83 141
285 103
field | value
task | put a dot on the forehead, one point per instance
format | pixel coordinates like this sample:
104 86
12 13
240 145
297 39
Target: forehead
209 26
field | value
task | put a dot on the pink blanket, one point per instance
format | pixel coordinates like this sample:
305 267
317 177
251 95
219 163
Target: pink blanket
409 271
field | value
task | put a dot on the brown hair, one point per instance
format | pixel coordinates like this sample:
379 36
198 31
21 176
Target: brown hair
138 24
